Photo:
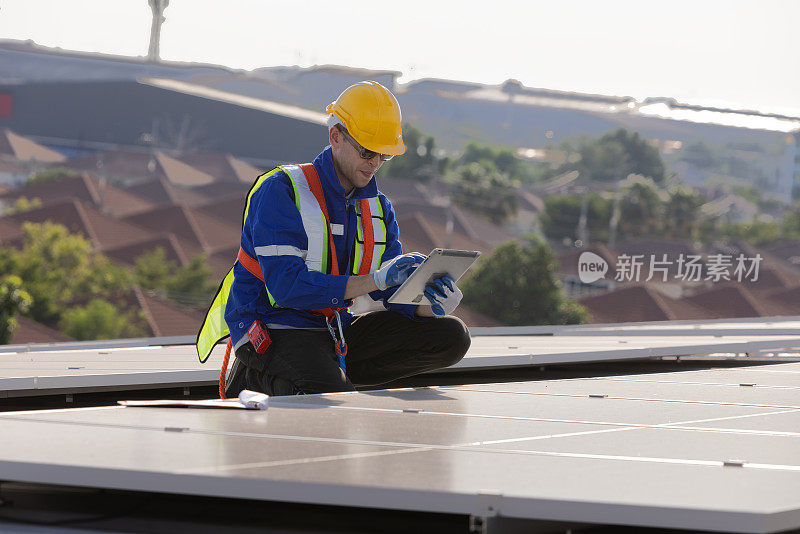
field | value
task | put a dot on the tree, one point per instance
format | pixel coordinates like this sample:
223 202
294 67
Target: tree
701 156
562 215
517 286
14 300
99 320
188 285
791 222
484 190
501 158
682 213
418 163
613 157
152 269
50 175
640 209
23 204
57 268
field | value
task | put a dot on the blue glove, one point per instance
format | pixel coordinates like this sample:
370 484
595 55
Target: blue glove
444 295
397 270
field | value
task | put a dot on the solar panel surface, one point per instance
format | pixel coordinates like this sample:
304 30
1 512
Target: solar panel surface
711 449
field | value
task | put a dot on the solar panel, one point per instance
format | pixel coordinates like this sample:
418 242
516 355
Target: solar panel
710 449
73 368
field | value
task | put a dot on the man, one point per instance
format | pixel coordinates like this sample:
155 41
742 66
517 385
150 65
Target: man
317 236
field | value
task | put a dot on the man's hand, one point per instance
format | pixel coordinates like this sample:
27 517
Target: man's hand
444 295
396 271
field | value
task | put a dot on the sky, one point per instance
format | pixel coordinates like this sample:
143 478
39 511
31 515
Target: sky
733 53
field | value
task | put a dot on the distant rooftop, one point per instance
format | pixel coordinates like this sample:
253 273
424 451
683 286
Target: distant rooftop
236 99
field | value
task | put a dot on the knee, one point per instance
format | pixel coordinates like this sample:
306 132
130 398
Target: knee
457 337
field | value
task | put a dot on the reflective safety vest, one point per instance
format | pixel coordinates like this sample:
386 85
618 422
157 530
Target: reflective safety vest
368 249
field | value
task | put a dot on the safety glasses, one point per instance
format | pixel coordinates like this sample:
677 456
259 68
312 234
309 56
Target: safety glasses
363 152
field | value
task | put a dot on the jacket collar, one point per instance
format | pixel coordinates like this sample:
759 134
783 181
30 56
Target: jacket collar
327 173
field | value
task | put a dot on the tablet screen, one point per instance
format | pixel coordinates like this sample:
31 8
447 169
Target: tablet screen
440 262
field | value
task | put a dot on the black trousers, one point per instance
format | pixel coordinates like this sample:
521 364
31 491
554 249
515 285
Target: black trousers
382 346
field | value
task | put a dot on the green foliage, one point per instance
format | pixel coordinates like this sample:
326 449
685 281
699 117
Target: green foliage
50 175
23 204
701 156
790 226
188 285
152 270
484 190
517 286
14 300
641 208
57 268
613 157
502 159
682 213
418 163
99 320
421 164
562 215
756 232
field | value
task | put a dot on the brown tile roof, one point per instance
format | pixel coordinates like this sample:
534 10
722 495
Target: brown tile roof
216 190
199 230
787 299
220 262
787 250
165 318
641 303
10 167
223 167
23 149
119 164
179 173
775 271
657 247
10 231
86 188
129 253
406 191
229 209
161 192
466 223
81 218
415 234
29 331
418 233
770 278
480 229
647 246
733 300
219 234
568 261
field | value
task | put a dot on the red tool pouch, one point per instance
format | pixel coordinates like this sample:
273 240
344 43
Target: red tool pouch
259 337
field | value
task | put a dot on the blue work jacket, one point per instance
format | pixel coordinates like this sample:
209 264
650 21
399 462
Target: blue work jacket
273 219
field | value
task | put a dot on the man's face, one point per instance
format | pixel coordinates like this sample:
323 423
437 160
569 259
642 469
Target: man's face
351 168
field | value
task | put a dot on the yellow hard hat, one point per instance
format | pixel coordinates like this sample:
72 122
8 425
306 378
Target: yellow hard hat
371 114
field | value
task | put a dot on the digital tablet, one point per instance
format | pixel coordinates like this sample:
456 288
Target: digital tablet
440 262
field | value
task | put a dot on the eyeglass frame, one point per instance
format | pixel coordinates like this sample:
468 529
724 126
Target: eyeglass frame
365 153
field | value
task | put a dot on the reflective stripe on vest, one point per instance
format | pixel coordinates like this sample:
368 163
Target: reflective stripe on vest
367 259
320 256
